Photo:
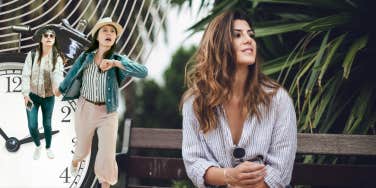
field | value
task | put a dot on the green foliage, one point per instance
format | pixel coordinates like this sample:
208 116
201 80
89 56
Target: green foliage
158 106
182 184
321 53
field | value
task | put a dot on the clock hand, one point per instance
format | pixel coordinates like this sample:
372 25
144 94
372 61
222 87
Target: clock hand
3 134
41 136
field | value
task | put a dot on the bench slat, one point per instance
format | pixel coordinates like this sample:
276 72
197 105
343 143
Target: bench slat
156 167
303 174
335 144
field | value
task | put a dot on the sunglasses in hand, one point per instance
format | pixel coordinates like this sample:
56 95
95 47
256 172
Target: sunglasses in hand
238 154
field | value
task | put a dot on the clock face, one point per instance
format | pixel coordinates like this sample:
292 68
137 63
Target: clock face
17 166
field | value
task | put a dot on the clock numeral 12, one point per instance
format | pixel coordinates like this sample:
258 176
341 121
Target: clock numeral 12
15 80
64 175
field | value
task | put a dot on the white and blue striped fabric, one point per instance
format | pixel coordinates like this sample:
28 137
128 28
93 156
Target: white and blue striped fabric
94 83
274 137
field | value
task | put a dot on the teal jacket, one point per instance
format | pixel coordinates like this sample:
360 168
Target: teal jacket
115 76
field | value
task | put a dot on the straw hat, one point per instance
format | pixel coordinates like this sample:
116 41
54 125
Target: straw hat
106 21
38 34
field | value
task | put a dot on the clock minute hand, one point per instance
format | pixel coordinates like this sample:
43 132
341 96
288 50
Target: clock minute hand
2 133
41 136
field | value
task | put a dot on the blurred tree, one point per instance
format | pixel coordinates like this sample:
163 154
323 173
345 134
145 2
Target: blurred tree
158 106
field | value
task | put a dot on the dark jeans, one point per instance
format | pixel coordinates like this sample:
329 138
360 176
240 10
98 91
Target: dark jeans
47 106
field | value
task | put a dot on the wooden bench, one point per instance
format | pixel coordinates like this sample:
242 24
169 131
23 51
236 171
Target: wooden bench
328 175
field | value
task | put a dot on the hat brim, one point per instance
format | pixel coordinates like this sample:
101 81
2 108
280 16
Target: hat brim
38 34
97 26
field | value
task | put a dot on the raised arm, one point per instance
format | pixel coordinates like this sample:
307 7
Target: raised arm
128 67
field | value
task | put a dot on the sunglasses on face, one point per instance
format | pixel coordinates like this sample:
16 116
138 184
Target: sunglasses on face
48 35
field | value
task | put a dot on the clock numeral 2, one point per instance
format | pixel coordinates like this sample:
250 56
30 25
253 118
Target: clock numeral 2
15 80
66 110
64 175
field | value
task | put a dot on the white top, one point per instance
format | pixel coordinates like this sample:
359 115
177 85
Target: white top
40 79
274 137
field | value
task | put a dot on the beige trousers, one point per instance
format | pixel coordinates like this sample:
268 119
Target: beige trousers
89 117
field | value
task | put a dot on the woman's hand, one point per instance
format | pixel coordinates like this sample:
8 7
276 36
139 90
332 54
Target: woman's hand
56 91
247 174
27 99
107 64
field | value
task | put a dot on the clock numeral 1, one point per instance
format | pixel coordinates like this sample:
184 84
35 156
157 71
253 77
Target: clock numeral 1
15 80
66 110
64 175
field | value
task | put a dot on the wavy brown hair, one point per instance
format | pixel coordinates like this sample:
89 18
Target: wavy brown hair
210 79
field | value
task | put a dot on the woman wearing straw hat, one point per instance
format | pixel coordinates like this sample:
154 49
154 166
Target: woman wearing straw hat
42 71
101 71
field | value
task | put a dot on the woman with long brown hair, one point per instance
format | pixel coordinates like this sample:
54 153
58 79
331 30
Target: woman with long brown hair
239 126
42 71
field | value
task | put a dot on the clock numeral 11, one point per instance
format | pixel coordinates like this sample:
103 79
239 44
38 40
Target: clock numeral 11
15 80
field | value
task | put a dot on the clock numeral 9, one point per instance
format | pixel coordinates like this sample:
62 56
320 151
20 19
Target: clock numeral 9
65 175
66 110
14 81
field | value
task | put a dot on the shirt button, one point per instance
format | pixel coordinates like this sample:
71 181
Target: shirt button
108 89
109 100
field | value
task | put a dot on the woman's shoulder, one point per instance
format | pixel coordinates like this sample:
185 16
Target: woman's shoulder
282 93
282 98
188 101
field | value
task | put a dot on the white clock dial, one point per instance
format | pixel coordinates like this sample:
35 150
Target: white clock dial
17 166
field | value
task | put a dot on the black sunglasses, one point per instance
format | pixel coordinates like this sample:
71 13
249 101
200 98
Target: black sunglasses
48 35
238 154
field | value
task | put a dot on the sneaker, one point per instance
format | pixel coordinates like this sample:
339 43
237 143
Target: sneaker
36 154
50 154
73 169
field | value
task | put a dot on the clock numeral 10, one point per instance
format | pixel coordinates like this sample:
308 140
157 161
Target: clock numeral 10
65 175
14 81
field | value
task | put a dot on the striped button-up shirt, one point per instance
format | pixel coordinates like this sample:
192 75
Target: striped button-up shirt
94 83
273 137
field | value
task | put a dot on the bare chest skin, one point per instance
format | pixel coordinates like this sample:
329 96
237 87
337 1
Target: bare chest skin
235 118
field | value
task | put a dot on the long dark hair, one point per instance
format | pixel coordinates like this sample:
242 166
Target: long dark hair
210 79
56 52
95 44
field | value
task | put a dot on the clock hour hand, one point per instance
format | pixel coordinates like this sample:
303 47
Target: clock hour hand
41 136
2 133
